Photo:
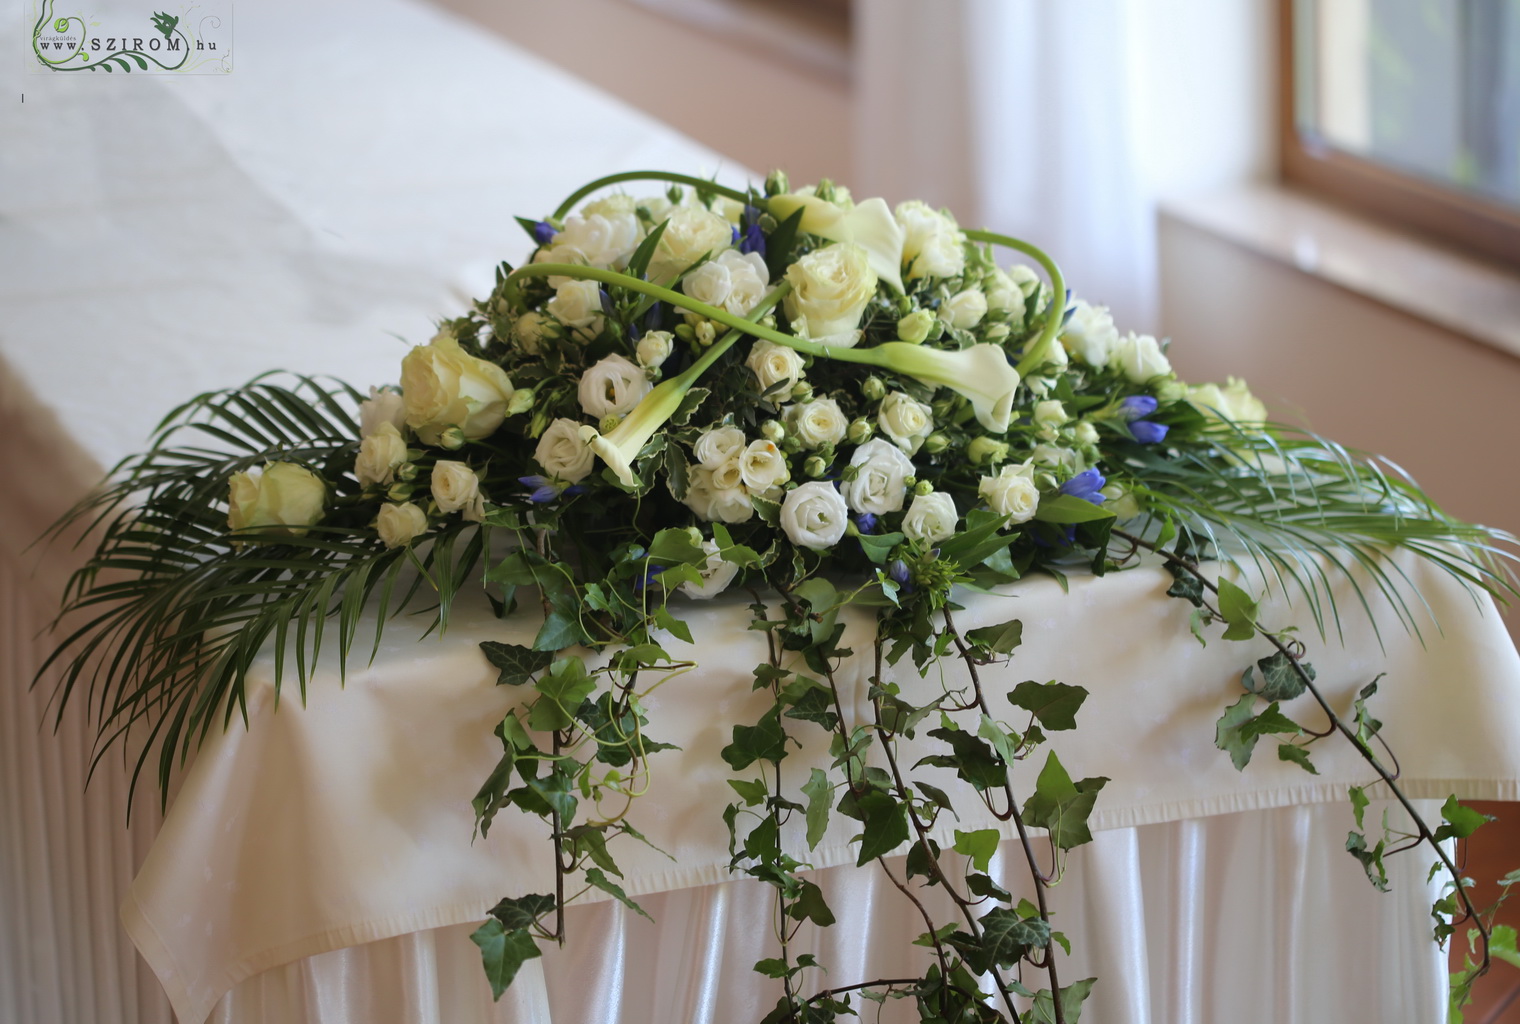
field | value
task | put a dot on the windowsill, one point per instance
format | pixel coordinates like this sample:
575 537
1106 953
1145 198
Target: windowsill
1411 275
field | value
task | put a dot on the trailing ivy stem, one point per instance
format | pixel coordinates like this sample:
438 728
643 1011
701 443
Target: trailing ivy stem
1470 912
681 179
559 864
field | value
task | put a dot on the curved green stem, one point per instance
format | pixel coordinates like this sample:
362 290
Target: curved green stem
613 179
1035 354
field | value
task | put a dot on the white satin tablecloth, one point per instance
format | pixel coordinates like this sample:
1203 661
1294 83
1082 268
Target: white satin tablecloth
348 821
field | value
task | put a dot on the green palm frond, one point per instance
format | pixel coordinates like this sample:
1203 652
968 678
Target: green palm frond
167 616
1306 512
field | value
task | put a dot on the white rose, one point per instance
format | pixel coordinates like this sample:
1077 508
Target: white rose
400 524
604 239
1233 402
562 453
577 305
772 364
762 466
280 498
690 233
444 387
1050 413
933 245
532 331
717 574
734 282
717 445
831 288
1141 358
379 455
931 518
964 309
814 515
879 483
612 387
1003 294
384 405
654 348
456 488
1055 457
905 420
1090 335
1012 492
816 423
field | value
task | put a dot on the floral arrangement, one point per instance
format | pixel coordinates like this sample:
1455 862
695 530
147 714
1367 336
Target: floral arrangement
819 401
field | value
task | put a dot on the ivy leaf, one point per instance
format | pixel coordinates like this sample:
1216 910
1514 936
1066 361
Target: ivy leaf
591 841
936 796
983 885
1359 803
607 885
1187 587
1238 729
517 663
972 759
503 952
1196 622
1053 704
523 911
979 845
816 704
1372 860
763 741
1366 726
560 630
810 905
1461 821
752 791
1072 996
1238 609
561 689
1279 679
1003 638
676 547
921 857
1006 936
999 738
557 794
1298 755
878 546
1062 807
980 539
488 799
819 793
886 825
672 625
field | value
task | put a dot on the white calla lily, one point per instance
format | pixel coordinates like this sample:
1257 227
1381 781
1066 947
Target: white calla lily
619 447
981 373
868 224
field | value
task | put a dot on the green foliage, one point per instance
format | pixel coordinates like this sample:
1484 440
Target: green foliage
503 951
1061 806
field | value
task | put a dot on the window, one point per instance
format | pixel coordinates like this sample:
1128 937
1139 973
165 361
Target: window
1410 110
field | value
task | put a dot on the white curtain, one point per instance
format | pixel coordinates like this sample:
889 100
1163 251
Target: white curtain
1065 122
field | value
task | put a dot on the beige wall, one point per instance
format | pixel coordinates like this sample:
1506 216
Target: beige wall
731 96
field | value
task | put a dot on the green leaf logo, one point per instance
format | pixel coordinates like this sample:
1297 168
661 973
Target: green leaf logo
61 25
164 23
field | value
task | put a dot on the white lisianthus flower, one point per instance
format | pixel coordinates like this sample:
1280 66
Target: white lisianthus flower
577 305
603 239
933 245
654 348
964 309
774 364
879 483
611 387
816 423
718 445
831 288
562 453
762 466
384 405
731 505
690 233
717 574
733 281
444 387
728 475
379 455
1233 402
456 488
1090 335
905 420
1050 413
533 332
1003 294
814 515
699 491
280 498
1140 357
931 518
1012 492
400 524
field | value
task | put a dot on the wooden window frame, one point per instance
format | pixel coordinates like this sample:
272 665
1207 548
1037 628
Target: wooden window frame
1485 228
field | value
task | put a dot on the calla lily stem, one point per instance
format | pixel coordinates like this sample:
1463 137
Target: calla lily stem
1037 352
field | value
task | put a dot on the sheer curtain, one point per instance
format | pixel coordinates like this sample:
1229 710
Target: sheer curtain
1065 123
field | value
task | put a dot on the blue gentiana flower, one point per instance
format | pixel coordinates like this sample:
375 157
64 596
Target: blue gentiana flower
650 575
1147 432
754 238
865 522
1087 485
541 489
900 572
543 232
601 293
652 318
735 239
1137 407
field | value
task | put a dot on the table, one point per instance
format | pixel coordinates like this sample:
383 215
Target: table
160 236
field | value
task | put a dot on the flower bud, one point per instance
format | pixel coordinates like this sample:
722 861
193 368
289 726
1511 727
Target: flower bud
522 401
923 487
776 183
997 334
1169 390
791 445
802 392
815 467
773 430
874 389
685 333
860 432
914 328
1045 481
936 443
705 333
401 491
675 193
451 438
1085 433
985 451
944 408
406 471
